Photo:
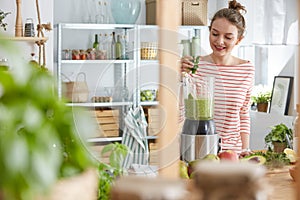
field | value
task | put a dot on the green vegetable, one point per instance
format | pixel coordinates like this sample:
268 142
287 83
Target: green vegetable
190 96
196 62
273 159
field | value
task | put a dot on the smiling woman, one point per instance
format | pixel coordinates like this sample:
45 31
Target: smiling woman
234 77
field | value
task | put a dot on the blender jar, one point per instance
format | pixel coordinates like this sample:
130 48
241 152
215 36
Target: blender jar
199 137
198 98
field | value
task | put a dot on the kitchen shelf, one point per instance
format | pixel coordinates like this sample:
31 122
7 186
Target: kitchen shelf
128 73
113 139
149 103
27 39
149 61
104 104
89 26
96 61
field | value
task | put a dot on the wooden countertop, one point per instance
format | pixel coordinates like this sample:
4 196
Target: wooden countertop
281 183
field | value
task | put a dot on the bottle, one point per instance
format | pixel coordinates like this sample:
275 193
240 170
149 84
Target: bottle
113 46
186 48
296 132
106 45
118 48
96 43
125 55
195 50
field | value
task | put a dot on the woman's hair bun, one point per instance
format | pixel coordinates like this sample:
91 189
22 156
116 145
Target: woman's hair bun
236 6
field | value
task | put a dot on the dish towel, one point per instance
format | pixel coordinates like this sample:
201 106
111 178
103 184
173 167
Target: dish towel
134 137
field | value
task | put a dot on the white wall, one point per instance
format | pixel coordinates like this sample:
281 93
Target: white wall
261 124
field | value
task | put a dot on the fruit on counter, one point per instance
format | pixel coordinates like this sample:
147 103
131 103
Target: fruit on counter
211 157
192 165
290 154
183 170
256 159
228 155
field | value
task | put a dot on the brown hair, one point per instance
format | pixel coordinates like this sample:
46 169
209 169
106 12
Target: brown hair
233 15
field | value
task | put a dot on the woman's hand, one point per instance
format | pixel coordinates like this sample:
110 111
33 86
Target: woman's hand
187 64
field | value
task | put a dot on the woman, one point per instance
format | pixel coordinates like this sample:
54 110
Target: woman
233 78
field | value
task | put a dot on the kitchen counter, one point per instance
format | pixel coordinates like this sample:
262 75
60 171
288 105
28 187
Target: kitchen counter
278 185
281 184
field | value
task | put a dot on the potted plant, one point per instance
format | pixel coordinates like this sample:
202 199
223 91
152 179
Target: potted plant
40 136
109 172
279 138
262 99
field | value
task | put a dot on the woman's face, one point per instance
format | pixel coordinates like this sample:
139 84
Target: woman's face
223 37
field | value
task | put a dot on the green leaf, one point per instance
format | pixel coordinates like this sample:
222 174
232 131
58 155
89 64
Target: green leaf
107 148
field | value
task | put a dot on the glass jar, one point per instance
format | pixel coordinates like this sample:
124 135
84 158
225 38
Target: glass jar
66 54
29 28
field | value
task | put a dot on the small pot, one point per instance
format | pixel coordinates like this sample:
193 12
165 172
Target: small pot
262 107
279 147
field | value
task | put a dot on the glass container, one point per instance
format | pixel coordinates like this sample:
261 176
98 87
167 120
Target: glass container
198 97
125 11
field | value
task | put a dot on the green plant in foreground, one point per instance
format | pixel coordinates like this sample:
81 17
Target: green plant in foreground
40 140
109 172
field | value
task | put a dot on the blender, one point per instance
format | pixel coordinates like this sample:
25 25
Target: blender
199 137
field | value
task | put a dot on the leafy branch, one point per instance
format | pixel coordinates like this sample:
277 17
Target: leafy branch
109 172
2 17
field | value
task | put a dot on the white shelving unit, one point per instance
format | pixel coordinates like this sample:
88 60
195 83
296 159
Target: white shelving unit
135 66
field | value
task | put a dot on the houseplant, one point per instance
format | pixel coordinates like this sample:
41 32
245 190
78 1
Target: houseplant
40 136
279 138
262 99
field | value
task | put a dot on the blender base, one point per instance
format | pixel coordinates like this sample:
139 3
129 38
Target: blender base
195 147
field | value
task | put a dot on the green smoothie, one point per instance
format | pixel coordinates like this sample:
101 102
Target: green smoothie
198 109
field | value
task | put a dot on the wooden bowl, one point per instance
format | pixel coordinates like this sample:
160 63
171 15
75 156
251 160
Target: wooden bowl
293 171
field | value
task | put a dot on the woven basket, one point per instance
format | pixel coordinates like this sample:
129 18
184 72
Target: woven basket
194 12
76 91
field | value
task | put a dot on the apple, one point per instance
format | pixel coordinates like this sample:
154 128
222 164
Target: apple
228 155
211 157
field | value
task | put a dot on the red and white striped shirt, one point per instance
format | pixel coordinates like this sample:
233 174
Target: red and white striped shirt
232 91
